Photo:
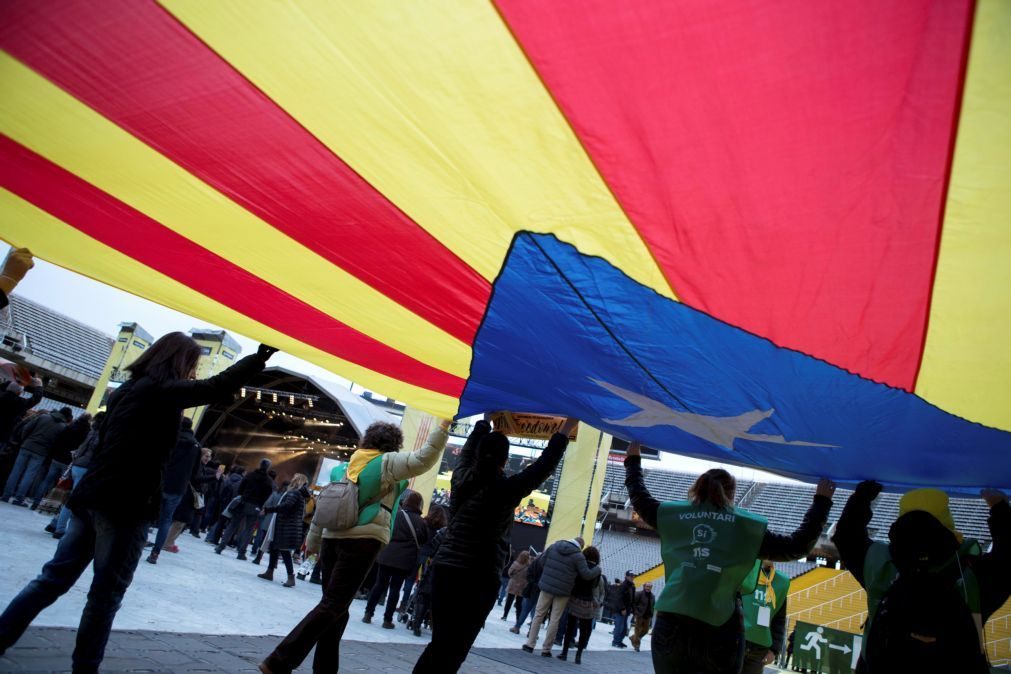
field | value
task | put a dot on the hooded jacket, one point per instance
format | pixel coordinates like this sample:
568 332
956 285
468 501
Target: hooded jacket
396 466
563 564
40 433
483 503
256 487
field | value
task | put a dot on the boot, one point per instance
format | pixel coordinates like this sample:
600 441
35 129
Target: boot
266 575
152 558
579 656
290 582
564 655
258 558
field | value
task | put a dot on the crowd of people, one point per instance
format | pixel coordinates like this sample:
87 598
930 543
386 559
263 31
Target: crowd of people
137 468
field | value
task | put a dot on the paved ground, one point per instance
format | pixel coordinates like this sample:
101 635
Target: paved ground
47 649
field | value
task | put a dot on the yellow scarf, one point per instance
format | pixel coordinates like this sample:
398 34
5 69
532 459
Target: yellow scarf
359 460
770 594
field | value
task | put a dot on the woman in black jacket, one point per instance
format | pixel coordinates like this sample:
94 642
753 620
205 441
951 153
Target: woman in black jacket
477 540
399 558
287 525
121 492
709 546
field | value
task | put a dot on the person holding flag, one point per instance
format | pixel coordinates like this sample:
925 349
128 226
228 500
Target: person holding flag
764 618
709 548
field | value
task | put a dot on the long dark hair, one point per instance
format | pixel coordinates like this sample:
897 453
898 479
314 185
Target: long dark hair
715 487
174 356
592 555
437 517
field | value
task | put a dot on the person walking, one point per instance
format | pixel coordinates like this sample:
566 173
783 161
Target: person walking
584 602
60 456
398 558
625 599
36 438
612 601
228 490
175 483
121 492
255 488
80 460
287 527
642 614
929 589
765 618
699 626
191 501
13 407
532 592
436 519
426 556
261 543
380 470
564 563
476 548
517 583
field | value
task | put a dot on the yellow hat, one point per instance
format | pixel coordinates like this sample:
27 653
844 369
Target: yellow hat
933 501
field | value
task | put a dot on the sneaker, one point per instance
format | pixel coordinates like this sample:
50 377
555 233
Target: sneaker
388 625
545 654
51 528
514 630
528 649
172 548
560 656
367 619
152 558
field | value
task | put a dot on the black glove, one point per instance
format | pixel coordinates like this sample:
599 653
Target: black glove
265 351
869 489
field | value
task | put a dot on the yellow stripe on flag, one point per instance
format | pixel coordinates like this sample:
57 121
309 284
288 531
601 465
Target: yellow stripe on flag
380 84
44 118
53 240
967 360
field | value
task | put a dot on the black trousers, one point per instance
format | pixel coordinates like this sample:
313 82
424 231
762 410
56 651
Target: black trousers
345 562
388 583
286 556
584 627
461 600
683 645
509 602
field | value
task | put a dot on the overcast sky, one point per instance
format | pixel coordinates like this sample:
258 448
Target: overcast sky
104 307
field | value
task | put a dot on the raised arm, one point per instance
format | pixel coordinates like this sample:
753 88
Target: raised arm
851 537
468 455
525 481
35 389
584 570
779 548
221 387
992 567
402 466
642 501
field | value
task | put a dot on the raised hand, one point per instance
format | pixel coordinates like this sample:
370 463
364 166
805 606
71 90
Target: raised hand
826 488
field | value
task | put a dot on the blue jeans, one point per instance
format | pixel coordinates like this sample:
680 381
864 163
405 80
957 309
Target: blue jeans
502 589
169 503
243 520
529 604
22 477
56 469
115 549
620 628
61 520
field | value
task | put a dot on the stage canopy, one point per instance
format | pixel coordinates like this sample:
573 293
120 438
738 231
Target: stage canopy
769 233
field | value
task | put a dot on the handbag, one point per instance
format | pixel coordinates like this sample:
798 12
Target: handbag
198 499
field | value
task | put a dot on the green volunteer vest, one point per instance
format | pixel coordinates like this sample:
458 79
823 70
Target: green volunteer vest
369 484
880 573
762 634
707 555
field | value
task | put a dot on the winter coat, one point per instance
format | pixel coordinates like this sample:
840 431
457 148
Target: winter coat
626 596
644 604
483 503
181 464
256 487
563 564
517 578
613 597
402 552
140 429
70 438
13 407
584 602
84 454
288 522
396 466
428 552
228 489
40 433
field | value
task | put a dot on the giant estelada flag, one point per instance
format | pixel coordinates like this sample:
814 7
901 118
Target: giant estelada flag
768 233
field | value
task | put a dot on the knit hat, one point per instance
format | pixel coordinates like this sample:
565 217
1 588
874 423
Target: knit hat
931 501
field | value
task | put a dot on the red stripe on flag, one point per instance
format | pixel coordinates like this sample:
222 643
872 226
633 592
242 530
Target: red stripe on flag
115 224
136 65
784 161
